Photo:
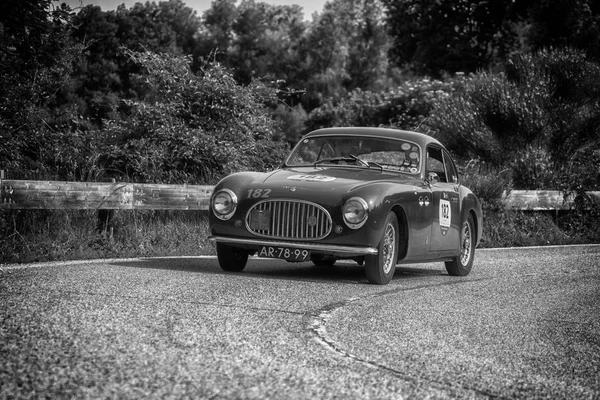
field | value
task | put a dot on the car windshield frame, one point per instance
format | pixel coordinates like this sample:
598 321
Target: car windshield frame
335 150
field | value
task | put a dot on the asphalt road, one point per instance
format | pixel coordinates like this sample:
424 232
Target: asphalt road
525 323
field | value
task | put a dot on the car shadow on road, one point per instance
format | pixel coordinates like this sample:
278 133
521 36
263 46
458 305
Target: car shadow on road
348 272
339 273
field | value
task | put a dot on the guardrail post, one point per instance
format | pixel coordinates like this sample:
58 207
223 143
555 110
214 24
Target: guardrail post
6 192
104 223
105 216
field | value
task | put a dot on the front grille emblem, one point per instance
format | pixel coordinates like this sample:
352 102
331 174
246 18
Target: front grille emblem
311 221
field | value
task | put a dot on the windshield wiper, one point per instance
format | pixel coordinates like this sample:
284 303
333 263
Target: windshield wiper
365 162
358 160
375 164
350 158
334 160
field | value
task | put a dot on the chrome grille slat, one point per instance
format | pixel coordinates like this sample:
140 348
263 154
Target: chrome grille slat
289 219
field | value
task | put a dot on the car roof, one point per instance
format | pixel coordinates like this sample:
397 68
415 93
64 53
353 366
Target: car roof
416 137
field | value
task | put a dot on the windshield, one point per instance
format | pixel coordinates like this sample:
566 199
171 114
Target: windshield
384 153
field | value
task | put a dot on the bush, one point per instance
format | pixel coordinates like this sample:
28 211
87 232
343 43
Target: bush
192 128
291 120
534 119
491 119
518 228
403 107
582 222
534 169
490 184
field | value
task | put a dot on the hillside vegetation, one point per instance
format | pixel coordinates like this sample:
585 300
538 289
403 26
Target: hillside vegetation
157 94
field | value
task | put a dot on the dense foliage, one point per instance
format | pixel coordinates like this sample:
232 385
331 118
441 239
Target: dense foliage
405 106
37 61
437 37
158 93
539 119
191 128
75 106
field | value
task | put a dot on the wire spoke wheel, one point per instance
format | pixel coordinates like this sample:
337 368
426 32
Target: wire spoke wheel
462 264
389 248
380 268
465 252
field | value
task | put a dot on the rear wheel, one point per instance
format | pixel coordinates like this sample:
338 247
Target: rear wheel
461 265
380 268
230 258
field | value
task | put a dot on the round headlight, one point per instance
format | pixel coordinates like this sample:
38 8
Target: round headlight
355 212
224 203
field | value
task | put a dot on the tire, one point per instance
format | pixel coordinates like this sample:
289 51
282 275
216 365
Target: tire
324 262
230 258
461 265
381 267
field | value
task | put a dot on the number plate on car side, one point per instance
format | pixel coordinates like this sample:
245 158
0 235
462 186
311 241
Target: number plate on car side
285 253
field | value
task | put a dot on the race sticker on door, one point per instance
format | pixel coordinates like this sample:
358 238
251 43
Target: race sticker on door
444 216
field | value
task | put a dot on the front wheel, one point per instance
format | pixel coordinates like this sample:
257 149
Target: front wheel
324 262
461 265
230 258
380 268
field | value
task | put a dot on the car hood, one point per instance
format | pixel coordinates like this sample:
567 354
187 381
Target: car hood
324 180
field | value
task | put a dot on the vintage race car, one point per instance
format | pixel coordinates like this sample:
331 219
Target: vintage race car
378 196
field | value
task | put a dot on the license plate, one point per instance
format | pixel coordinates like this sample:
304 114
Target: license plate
285 253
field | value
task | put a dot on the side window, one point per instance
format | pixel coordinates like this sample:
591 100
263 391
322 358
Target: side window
451 173
435 162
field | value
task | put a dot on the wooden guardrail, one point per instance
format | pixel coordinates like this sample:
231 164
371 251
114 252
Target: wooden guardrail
24 194
29 194
544 200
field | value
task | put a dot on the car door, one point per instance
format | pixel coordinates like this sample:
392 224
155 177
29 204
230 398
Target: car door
445 227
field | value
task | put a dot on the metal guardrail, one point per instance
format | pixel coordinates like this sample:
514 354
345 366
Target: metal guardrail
26 194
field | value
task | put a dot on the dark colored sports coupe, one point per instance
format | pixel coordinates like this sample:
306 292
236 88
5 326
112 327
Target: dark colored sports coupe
377 196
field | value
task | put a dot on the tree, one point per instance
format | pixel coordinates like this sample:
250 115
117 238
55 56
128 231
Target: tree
183 21
104 78
254 39
217 34
267 41
101 74
434 37
565 23
342 49
345 48
37 58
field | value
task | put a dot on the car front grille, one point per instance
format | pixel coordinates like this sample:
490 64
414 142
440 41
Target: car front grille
288 219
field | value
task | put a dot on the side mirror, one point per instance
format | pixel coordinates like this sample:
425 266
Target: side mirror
432 178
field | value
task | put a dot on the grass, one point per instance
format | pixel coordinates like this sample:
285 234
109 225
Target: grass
44 235
531 228
56 235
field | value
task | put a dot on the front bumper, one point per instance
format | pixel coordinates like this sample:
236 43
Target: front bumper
325 249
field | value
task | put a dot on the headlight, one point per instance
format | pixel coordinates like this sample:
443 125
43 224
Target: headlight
355 212
224 203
